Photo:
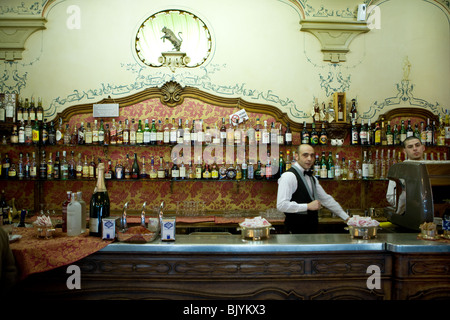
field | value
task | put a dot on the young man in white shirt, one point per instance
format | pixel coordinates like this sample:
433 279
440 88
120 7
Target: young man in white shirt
300 195
413 150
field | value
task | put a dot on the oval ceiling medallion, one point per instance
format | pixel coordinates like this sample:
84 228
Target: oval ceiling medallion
173 38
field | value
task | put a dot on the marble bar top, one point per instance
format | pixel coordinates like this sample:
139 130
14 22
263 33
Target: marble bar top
284 243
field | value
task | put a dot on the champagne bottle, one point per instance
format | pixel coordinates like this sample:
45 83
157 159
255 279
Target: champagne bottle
99 205
135 168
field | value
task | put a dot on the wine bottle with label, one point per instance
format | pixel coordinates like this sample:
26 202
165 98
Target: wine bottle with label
99 205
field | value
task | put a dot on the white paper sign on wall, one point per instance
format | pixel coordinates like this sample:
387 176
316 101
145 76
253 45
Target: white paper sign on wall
105 110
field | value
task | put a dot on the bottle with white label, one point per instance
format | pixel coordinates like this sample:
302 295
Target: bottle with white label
74 217
365 167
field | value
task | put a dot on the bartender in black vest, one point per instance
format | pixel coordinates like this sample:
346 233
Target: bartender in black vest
300 195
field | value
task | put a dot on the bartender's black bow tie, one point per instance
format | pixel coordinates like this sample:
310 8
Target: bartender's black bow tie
308 172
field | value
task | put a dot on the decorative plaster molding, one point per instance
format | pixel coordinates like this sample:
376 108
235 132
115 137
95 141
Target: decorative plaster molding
14 31
334 36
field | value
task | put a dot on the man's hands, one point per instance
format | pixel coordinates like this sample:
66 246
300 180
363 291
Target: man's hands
314 205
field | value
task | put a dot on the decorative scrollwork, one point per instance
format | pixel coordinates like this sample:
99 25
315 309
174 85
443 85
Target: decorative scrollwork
171 92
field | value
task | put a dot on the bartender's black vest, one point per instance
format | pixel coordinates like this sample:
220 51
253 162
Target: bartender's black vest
301 223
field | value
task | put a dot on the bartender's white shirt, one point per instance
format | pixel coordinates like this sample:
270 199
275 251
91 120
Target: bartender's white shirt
287 185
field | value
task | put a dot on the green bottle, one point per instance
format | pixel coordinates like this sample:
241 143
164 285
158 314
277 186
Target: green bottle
139 134
153 132
389 135
330 166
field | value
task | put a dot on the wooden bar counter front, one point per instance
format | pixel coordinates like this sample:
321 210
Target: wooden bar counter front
305 267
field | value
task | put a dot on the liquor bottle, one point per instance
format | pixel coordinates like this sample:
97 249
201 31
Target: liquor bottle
447 128
118 170
206 174
40 110
88 134
383 133
323 167
323 138
370 134
396 136
120 133
376 166
377 134
160 134
14 136
2 112
200 133
193 133
43 167
314 140
6 164
389 135
416 131
250 170
182 169
215 170
64 210
113 133
36 133
10 109
440 136
222 171
281 136
92 168
429 131
175 169
273 134
166 133
187 134
305 134
258 132
83 211
382 165
409 130
330 166
139 134
85 169
288 135
135 168
337 168
133 133
363 134
353 110
288 159
402 132
57 167
223 133
434 130
173 133
74 136
316 167
20 168
355 134
72 166
51 134
340 112
231 171
146 135
198 169
230 134
365 167
79 167
109 173
67 135
180 132
31 109
99 204
344 170
95 133
371 165
81 135
161 173
64 167
19 111
153 174
73 216
358 170
50 167
44 133
265 135
28 133
126 133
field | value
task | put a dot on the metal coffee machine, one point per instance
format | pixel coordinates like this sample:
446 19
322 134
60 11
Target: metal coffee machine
413 198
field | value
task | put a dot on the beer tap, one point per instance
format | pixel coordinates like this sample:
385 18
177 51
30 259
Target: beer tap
124 217
143 214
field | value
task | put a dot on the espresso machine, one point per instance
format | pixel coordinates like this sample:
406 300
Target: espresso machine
414 196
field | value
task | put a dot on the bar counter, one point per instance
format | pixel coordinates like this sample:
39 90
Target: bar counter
306 267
